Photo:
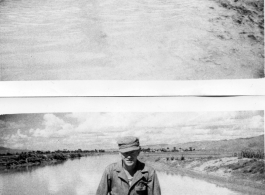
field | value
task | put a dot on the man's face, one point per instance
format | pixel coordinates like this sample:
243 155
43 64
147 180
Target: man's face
130 158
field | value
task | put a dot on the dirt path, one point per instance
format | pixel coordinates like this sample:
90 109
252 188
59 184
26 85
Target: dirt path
136 40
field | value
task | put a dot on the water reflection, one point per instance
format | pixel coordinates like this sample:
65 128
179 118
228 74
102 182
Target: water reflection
179 184
31 168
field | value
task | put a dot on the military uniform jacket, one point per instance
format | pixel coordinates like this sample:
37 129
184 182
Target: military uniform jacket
115 182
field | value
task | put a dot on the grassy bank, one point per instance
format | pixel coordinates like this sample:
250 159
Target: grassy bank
241 174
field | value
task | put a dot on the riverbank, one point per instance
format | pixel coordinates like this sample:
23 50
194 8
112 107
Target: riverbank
12 162
239 174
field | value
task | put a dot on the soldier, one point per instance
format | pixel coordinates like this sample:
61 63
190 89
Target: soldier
129 176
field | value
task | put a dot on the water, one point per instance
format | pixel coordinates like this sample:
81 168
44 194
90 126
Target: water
115 39
82 176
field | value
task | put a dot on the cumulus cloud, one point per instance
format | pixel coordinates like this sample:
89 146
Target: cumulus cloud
53 127
100 130
16 140
103 121
16 137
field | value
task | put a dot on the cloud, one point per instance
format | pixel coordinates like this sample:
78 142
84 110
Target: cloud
16 137
2 124
103 121
169 127
256 122
15 140
10 126
53 127
100 130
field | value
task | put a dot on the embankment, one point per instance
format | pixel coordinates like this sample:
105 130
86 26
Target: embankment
241 174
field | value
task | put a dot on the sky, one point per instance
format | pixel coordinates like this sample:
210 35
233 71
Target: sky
100 130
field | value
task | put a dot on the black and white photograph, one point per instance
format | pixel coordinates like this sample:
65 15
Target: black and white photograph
150 151
131 40
132 97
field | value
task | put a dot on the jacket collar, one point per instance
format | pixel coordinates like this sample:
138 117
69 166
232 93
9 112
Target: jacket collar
140 170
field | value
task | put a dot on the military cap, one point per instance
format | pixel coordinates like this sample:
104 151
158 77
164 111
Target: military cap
128 143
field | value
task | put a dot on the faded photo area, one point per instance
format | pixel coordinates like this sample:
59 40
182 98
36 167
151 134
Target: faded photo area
131 40
192 152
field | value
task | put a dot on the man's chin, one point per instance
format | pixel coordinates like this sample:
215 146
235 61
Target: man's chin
129 163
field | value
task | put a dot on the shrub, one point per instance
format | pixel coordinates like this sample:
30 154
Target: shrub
251 154
72 156
59 156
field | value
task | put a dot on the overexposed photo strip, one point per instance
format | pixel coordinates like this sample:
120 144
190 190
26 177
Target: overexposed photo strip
136 40
217 41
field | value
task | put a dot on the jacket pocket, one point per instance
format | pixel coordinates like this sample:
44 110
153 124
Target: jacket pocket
141 187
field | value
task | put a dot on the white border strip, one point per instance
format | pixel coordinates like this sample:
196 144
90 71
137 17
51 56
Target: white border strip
130 104
132 88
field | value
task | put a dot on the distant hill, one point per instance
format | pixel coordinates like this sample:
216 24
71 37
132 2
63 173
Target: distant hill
233 145
4 150
156 146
